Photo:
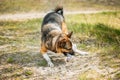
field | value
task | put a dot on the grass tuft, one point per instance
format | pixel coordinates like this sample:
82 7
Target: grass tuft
99 33
28 73
10 60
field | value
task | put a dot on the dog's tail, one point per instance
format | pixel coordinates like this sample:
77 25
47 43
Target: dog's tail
59 10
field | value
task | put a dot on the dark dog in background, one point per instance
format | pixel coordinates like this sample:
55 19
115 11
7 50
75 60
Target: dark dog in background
55 36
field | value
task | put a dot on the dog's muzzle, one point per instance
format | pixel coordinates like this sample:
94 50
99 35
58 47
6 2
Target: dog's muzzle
66 53
68 56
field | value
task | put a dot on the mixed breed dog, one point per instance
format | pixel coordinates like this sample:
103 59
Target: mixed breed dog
55 36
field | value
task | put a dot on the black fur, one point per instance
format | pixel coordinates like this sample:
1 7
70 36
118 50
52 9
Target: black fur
54 20
51 27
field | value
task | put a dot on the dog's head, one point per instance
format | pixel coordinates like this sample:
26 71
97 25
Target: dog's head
64 44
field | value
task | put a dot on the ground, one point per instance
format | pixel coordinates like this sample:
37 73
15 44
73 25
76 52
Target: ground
20 57
27 63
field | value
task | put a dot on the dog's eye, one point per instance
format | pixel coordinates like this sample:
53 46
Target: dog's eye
68 46
62 45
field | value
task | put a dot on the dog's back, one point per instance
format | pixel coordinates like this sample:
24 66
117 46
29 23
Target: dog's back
52 26
52 21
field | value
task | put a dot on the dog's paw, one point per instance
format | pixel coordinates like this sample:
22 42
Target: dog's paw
83 53
78 51
50 64
68 59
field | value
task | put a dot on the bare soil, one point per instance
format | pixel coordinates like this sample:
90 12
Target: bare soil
20 61
14 64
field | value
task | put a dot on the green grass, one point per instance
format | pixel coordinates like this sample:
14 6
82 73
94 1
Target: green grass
16 32
28 72
16 6
100 30
99 33
18 37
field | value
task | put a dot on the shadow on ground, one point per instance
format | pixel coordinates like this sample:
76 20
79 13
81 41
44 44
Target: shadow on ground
28 59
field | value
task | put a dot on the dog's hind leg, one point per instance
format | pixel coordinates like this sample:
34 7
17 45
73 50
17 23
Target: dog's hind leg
45 56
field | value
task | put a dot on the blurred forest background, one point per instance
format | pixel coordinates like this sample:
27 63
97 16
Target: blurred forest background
12 6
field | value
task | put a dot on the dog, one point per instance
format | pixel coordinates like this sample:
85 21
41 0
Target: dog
55 36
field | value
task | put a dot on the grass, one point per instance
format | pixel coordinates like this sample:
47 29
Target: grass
19 30
28 72
99 33
96 30
16 6
91 75
19 40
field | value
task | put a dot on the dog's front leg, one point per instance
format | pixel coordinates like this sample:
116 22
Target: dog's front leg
43 50
46 57
74 47
68 57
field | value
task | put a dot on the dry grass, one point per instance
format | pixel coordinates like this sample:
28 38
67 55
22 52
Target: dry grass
99 33
16 6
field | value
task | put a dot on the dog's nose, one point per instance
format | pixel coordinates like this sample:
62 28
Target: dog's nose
65 53
72 53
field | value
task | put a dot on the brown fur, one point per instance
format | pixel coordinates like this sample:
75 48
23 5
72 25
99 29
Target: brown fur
55 35
64 28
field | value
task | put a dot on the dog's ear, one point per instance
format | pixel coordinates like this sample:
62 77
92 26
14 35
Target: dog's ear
70 34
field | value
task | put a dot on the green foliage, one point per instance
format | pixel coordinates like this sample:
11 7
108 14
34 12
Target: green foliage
28 73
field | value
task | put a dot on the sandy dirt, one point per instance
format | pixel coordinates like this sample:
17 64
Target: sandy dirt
20 58
29 58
